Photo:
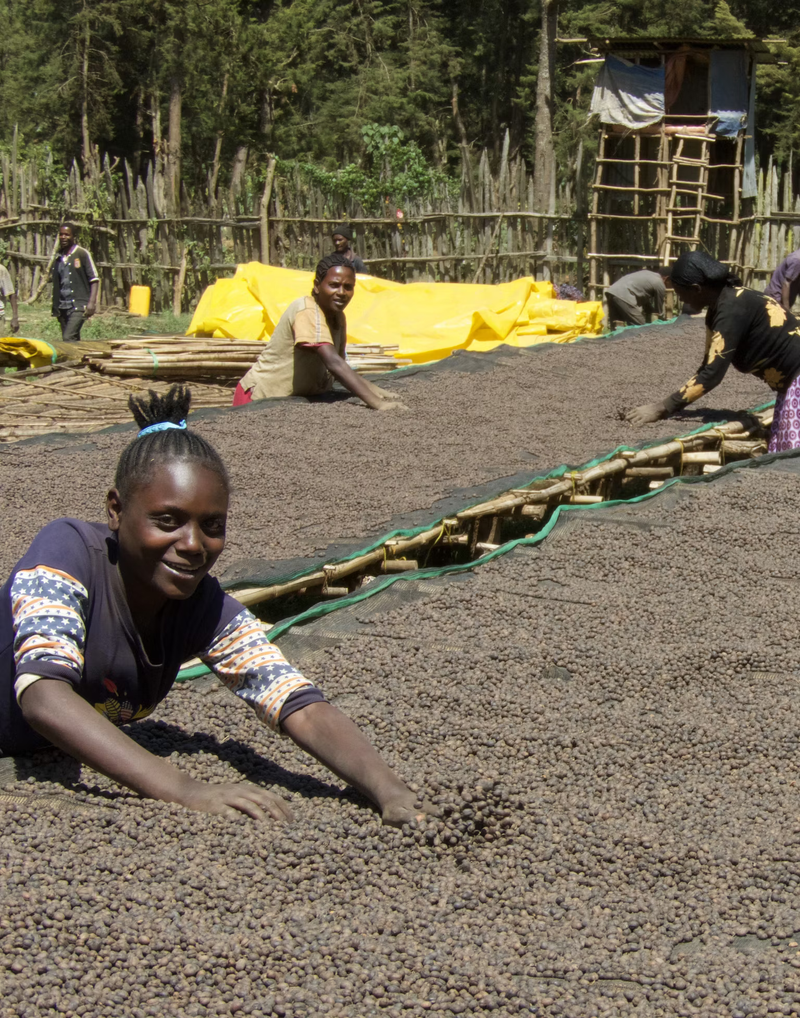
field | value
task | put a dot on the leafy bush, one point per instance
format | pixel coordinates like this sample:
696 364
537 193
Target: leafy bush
395 172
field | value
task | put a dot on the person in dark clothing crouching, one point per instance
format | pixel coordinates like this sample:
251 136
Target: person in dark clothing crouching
745 329
75 284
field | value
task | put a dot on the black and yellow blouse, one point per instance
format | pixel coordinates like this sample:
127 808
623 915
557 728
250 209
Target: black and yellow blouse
753 333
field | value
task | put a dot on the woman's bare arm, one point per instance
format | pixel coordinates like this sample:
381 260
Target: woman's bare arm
338 743
52 708
350 379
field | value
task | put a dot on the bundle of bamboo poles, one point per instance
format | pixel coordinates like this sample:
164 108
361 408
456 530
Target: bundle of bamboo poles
374 357
177 357
190 357
70 398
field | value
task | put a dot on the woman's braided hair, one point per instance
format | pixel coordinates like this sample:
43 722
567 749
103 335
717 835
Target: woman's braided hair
141 456
329 262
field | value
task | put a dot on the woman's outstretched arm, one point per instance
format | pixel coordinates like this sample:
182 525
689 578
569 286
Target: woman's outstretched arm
338 743
351 380
52 708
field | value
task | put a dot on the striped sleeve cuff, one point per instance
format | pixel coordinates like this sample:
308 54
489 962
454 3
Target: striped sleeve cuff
48 607
253 668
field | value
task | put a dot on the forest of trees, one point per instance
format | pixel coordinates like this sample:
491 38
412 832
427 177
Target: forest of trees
216 85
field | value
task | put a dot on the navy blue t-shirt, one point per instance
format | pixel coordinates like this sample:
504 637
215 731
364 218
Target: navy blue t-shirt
66 599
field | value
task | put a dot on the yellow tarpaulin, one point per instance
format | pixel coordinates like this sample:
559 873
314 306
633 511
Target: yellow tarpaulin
426 321
37 352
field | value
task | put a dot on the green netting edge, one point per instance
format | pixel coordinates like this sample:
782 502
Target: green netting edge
318 610
555 473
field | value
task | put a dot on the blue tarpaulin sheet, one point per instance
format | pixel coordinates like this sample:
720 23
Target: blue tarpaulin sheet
728 80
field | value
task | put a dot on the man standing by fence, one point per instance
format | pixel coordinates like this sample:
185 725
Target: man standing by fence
341 235
75 284
8 292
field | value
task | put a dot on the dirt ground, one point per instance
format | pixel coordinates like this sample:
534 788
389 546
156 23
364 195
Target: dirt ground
608 725
306 475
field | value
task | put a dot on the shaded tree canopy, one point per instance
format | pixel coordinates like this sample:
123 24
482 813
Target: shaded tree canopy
305 79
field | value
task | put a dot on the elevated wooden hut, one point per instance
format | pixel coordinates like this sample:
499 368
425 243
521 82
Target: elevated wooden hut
676 158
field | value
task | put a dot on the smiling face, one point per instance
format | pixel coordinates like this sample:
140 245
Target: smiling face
336 290
340 243
171 531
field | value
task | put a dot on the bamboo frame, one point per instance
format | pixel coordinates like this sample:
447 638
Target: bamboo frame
670 206
707 450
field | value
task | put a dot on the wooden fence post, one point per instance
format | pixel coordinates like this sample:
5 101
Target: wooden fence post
180 279
264 209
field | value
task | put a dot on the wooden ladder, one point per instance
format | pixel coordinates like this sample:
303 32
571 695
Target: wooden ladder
688 177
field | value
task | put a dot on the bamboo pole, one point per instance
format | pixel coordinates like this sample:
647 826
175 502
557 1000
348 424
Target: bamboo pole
180 279
650 472
264 209
252 595
702 457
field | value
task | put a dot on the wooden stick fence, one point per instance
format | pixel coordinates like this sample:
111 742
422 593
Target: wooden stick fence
489 231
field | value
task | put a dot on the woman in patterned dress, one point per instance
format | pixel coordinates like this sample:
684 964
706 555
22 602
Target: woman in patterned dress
744 328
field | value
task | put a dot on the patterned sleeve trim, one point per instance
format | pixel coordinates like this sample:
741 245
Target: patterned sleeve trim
718 355
24 682
254 669
91 268
48 611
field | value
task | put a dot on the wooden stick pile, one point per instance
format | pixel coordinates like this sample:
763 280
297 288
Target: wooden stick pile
73 399
177 358
193 358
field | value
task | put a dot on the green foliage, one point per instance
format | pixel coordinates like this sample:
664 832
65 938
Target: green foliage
725 25
38 323
778 109
395 172
362 90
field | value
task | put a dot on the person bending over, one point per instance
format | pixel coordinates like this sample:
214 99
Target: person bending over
75 284
307 349
784 284
744 328
96 619
637 296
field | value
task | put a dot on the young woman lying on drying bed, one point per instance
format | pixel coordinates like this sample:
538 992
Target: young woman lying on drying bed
96 619
307 349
